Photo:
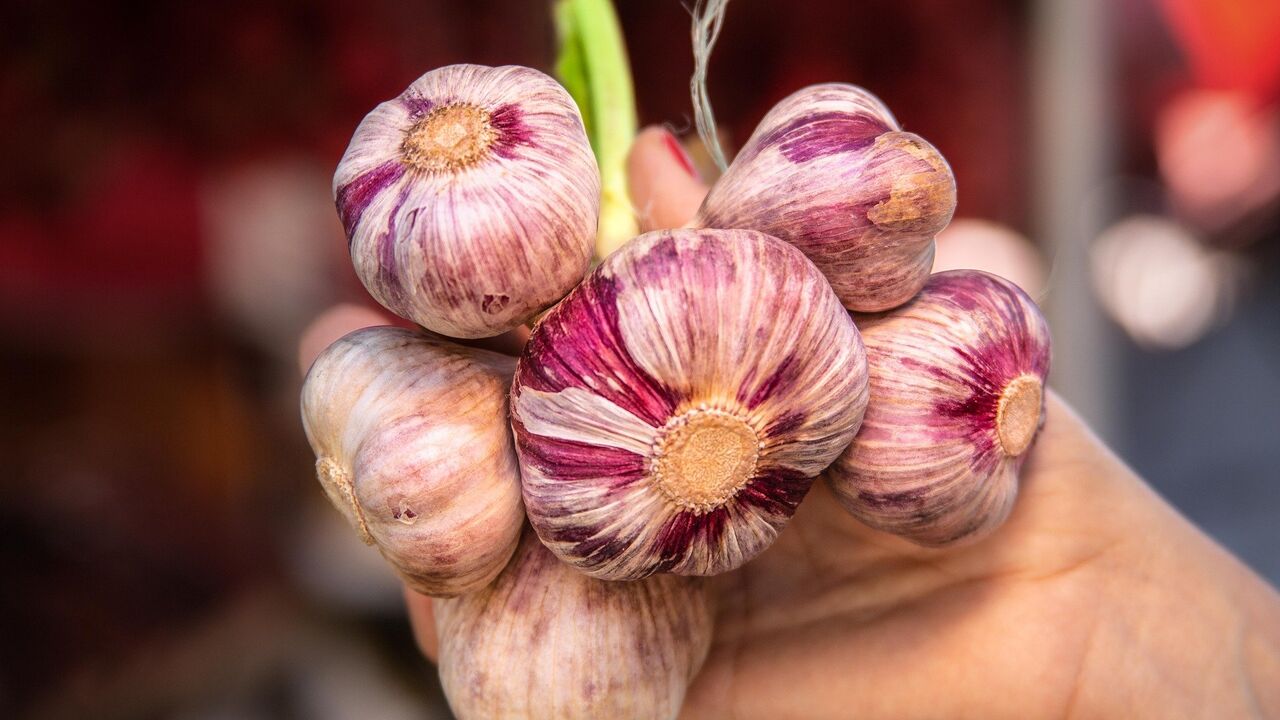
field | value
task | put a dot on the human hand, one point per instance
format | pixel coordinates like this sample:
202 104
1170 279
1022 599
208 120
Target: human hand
1094 599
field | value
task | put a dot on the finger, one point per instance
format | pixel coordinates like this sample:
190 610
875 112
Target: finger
993 248
665 188
511 342
331 325
422 619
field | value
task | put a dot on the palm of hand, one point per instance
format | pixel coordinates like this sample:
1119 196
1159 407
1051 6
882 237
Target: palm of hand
837 620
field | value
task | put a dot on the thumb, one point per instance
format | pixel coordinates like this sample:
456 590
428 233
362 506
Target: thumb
665 188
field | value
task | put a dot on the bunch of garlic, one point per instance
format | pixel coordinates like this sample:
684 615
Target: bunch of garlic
672 407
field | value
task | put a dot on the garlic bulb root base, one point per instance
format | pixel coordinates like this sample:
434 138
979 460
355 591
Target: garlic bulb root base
449 138
921 197
703 457
1018 413
337 481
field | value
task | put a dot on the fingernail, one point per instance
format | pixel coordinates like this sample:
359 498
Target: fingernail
677 150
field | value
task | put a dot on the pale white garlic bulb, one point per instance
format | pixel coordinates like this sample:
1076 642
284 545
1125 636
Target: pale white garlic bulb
470 201
830 171
545 642
672 412
957 397
412 446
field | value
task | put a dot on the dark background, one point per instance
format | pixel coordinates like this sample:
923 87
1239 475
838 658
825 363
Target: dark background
167 232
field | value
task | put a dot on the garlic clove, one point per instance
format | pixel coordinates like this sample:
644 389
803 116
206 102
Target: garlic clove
672 412
471 200
545 641
957 397
412 445
830 171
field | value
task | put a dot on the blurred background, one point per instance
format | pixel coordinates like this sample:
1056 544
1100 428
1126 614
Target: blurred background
167 232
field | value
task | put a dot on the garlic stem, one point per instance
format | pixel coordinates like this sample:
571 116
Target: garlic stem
593 67
708 18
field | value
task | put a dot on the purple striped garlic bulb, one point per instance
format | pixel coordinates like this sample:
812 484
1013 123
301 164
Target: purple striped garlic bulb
412 446
957 397
830 171
545 642
673 410
470 200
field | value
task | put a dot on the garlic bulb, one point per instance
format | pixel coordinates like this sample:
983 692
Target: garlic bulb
672 412
547 642
957 386
470 200
412 446
830 171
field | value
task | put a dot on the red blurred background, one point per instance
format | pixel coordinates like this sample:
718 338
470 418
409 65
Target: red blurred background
167 232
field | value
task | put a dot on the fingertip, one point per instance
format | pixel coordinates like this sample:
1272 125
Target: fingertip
422 619
511 342
331 325
664 185
991 247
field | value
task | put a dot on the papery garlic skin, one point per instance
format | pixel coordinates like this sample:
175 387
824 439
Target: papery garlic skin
412 445
957 397
830 171
547 642
672 412
471 200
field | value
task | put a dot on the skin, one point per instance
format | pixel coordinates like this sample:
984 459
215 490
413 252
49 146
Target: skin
1095 599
